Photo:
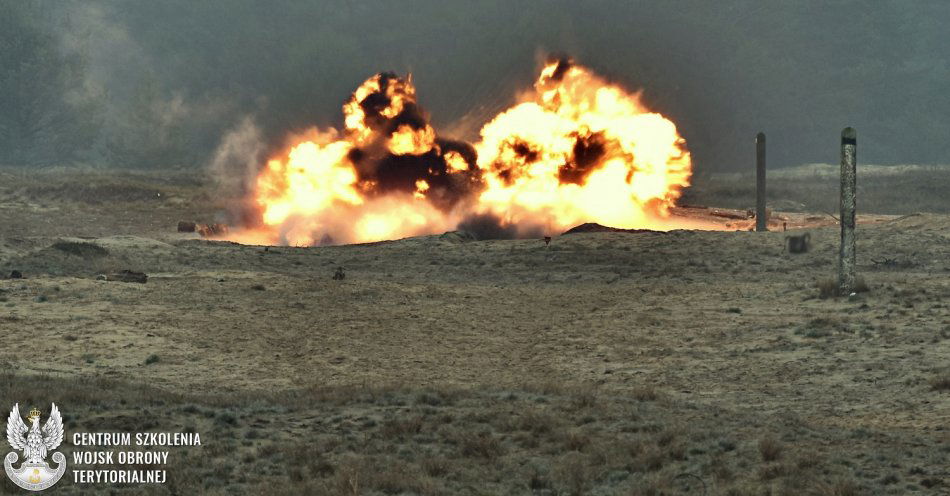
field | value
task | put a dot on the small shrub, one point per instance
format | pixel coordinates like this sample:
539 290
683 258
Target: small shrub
400 428
940 383
576 441
841 488
828 288
645 393
820 327
480 445
770 449
771 471
651 459
435 466
584 399
226 418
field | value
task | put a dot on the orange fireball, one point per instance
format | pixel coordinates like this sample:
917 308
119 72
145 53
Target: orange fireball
576 149
581 150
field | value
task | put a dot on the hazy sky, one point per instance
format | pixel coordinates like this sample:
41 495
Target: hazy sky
798 70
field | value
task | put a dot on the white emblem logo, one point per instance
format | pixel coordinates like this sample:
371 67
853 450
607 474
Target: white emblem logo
34 473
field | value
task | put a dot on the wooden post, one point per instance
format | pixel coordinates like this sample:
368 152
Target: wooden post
846 253
761 216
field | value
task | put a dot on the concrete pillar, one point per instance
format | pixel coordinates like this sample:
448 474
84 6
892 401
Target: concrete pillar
846 253
761 217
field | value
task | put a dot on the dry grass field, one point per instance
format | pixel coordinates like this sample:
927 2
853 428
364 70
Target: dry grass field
604 364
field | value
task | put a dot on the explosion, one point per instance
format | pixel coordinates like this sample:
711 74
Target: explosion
575 149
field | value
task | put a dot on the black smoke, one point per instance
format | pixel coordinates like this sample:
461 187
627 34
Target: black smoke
490 226
586 158
381 172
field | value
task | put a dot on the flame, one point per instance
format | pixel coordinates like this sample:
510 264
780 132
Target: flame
408 141
575 149
581 150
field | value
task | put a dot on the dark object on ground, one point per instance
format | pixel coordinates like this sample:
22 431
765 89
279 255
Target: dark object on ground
16 274
591 227
797 244
186 226
80 249
339 275
128 276
547 240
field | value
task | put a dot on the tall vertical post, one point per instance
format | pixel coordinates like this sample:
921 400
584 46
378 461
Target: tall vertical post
849 145
761 217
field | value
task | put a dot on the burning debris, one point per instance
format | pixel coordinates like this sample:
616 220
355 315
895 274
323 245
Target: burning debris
574 149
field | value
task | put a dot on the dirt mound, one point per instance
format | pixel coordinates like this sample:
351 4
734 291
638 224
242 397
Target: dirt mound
593 227
81 249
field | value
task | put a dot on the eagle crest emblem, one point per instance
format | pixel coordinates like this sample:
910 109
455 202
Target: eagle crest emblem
34 474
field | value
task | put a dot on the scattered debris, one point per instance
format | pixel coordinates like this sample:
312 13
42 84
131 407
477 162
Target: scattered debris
125 276
210 230
184 226
729 214
339 275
